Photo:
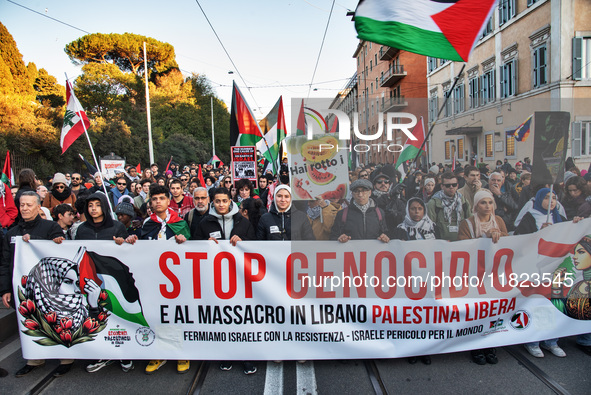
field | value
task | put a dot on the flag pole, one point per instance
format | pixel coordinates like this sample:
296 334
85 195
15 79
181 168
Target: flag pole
150 144
91 149
212 136
449 92
550 202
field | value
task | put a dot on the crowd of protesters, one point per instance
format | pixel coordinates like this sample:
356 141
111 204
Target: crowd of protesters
433 202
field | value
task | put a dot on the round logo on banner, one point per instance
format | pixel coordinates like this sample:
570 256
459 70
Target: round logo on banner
520 320
144 336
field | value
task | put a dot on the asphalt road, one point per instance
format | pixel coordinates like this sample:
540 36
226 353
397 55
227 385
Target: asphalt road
516 373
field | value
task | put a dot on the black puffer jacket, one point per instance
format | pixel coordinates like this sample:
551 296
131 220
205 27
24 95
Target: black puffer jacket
289 225
106 229
210 225
359 226
38 229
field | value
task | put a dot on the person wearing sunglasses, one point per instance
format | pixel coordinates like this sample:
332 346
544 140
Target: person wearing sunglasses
120 190
447 208
76 184
60 193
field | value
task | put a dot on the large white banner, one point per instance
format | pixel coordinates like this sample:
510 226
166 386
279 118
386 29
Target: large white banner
309 300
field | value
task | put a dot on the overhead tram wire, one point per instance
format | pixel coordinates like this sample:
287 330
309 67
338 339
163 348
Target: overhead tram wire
47 16
321 47
228 55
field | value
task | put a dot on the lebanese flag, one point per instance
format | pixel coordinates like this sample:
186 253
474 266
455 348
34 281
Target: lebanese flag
7 174
244 129
441 29
412 147
123 298
75 119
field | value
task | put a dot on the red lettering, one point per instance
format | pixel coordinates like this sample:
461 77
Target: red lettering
217 275
453 273
196 257
408 288
176 285
321 274
289 273
508 269
481 271
352 271
249 278
378 273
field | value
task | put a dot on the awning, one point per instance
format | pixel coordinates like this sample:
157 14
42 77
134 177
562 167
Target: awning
464 130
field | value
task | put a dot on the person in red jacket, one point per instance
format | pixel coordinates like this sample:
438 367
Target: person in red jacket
8 210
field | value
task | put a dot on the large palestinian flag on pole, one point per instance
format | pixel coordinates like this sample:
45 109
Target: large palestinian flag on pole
445 29
274 130
7 174
244 129
123 298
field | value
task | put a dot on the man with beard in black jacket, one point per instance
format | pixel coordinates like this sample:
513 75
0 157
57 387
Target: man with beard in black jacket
362 219
30 227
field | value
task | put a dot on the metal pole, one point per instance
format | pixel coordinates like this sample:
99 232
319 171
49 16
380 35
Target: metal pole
550 202
150 144
212 134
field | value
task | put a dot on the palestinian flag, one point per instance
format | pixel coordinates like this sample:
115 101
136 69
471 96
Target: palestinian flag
274 130
75 119
123 298
175 226
301 125
244 129
7 174
412 147
446 29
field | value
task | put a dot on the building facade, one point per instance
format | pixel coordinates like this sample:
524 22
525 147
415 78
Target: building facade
534 55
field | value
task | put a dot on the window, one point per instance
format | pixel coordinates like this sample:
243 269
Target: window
489 145
487 87
531 2
506 10
371 91
431 64
581 58
474 92
433 108
460 145
509 78
539 67
447 104
509 143
459 98
581 139
488 28
375 59
371 65
447 150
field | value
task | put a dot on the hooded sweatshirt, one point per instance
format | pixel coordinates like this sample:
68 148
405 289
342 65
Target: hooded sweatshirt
104 230
223 227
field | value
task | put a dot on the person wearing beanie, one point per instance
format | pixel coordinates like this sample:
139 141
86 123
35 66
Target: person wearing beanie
60 193
281 222
125 212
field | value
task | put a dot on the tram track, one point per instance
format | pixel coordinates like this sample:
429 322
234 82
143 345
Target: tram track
375 378
197 382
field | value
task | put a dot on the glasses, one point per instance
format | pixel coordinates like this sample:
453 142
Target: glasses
452 185
75 178
184 179
121 183
227 182
363 175
382 182
59 186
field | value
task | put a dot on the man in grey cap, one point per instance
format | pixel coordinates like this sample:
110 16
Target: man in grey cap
362 219
125 214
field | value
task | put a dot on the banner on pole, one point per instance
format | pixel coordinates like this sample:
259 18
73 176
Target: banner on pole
300 300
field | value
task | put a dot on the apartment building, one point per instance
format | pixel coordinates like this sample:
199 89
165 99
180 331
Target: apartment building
534 55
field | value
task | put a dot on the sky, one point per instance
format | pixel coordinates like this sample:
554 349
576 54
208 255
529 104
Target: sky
273 43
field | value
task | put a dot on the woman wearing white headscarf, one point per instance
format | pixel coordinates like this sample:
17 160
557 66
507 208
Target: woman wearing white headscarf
416 225
483 223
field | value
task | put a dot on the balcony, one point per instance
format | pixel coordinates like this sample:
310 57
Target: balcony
388 53
393 104
392 76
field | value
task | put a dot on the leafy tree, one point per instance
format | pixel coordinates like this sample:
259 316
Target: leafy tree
48 90
15 67
126 51
183 148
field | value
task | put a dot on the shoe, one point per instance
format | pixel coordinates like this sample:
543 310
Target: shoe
535 351
426 359
491 356
183 366
98 365
249 368
413 360
62 369
585 349
26 370
126 366
225 365
554 349
3 372
153 366
478 357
